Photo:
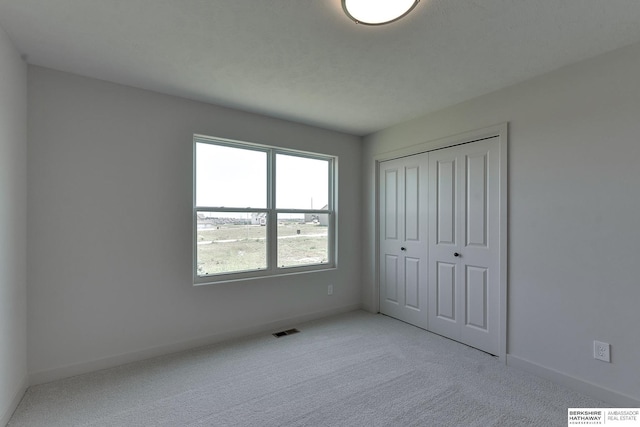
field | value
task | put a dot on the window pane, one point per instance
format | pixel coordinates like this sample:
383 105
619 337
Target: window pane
301 183
230 177
231 242
302 239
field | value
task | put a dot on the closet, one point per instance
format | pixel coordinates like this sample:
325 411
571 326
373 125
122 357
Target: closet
439 241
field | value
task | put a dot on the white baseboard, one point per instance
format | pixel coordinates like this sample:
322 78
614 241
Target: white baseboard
6 416
121 359
610 396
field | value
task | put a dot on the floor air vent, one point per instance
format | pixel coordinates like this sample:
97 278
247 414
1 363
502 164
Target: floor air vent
285 333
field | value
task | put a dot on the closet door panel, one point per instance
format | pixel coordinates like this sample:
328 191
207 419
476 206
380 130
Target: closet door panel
403 239
464 218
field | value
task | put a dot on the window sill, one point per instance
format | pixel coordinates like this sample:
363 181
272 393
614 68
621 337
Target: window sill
215 280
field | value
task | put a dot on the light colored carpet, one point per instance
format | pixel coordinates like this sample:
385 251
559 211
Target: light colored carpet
357 369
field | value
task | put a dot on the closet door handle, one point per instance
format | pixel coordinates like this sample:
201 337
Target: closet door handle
403 249
456 254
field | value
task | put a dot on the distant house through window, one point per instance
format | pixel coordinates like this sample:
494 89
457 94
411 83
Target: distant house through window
260 210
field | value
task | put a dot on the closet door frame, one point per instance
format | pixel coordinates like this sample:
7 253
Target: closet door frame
500 131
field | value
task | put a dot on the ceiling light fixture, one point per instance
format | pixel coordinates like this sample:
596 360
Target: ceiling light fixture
377 12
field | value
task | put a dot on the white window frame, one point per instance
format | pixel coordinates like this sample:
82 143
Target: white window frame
272 214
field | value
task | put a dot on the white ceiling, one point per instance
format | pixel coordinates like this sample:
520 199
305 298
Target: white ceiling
304 60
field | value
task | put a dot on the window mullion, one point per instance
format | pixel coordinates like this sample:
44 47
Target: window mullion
272 223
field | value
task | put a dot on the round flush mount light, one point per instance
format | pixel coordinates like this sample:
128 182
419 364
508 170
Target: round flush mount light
377 12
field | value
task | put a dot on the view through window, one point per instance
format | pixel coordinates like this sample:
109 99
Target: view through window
260 210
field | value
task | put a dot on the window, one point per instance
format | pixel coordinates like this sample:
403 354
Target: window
260 211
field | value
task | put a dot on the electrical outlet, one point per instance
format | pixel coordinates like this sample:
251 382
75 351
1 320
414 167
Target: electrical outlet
602 351
330 290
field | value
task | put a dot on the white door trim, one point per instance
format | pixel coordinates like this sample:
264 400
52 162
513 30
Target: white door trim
499 130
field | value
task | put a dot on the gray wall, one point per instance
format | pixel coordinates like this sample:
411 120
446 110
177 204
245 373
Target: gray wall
109 237
13 204
574 207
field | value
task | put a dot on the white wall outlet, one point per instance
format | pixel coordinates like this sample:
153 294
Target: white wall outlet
330 290
602 351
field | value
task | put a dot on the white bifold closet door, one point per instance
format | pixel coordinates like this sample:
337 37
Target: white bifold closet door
464 219
439 242
403 239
